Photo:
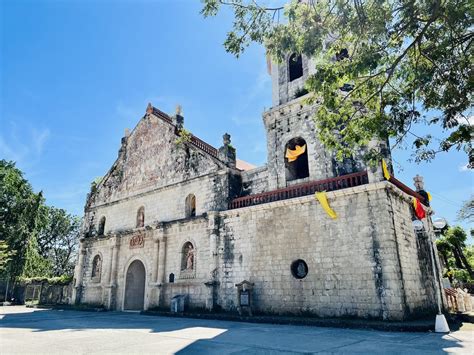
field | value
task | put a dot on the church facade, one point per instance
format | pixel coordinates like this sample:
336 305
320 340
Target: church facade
176 216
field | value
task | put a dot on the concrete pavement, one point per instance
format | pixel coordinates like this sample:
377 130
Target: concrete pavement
38 331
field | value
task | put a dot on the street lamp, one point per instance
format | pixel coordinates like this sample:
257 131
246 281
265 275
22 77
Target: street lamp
439 223
441 325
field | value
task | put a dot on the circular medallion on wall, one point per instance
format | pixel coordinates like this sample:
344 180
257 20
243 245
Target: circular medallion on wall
299 269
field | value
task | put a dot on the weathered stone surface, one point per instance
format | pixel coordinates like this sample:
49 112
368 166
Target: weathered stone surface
366 263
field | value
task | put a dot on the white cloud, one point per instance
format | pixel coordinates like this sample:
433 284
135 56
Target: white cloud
261 85
463 168
24 144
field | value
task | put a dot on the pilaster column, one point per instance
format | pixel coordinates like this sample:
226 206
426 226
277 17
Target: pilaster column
213 230
114 264
161 260
79 272
156 247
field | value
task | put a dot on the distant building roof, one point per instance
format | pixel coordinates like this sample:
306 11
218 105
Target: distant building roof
243 165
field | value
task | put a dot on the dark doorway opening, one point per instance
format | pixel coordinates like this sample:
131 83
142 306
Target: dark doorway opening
135 287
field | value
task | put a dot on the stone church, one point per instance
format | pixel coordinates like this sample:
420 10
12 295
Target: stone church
175 216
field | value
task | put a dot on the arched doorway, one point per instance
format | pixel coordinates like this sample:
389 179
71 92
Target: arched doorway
135 287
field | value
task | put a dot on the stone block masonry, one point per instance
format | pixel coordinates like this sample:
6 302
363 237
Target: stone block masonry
158 224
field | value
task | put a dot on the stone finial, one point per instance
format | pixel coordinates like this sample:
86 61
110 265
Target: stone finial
149 108
418 182
127 132
226 139
179 110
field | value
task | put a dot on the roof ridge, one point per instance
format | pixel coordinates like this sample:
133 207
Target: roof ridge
196 141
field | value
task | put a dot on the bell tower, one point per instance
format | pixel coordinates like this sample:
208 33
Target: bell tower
295 154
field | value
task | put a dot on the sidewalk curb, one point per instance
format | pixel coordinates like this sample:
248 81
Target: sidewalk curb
407 326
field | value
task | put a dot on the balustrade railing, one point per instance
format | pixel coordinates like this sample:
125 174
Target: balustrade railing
336 183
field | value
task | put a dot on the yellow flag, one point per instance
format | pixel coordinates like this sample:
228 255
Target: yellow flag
292 155
429 196
321 197
386 174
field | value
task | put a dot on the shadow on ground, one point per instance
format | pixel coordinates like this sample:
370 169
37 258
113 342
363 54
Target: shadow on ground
131 332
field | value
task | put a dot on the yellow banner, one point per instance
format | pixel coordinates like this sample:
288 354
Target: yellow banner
386 174
323 200
292 155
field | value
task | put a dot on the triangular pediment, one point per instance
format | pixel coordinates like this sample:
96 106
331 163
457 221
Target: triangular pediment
152 156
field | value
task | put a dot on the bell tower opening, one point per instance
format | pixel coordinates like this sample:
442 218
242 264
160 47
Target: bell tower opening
296 159
295 66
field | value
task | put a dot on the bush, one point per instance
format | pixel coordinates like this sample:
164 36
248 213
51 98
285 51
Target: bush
60 280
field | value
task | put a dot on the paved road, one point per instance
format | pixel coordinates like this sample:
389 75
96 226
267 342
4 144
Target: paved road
25 330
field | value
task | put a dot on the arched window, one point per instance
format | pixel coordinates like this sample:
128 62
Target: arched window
141 217
96 268
102 226
190 208
187 257
295 66
296 159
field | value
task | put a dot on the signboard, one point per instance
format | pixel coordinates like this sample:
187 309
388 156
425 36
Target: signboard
244 298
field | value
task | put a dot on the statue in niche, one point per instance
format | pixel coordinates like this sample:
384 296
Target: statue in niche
190 260
188 257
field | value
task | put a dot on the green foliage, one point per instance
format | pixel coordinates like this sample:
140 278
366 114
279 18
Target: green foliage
459 275
5 255
35 264
184 137
458 259
58 238
19 209
408 62
300 92
467 211
59 280
35 240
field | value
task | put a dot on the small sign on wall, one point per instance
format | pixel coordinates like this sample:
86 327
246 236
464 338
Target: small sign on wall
137 241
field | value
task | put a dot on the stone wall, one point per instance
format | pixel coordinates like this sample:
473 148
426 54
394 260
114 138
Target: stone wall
284 123
353 266
414 257
284 90
166 203
254 181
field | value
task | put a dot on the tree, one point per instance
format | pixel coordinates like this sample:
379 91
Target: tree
5 255
19 209
456 236
467 211
382 66
58 239
35 240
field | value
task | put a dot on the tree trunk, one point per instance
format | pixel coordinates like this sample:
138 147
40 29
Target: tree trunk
465 262
457 258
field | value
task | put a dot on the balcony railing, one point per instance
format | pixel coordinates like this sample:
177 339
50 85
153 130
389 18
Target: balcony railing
209 149
406 189
337 183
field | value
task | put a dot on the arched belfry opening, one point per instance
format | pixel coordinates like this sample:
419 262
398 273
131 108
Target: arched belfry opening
295 66
296 159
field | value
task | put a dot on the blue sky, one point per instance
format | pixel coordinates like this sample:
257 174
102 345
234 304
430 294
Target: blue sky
75 74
